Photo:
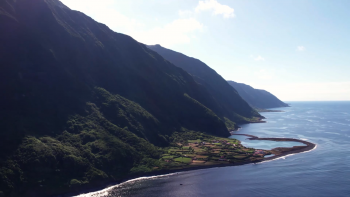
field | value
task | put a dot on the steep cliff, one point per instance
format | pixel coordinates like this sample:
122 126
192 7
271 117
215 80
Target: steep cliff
231 103
261 99
83 105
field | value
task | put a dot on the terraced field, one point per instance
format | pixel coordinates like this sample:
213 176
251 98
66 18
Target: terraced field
208 151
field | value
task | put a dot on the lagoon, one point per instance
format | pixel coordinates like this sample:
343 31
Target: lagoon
264 144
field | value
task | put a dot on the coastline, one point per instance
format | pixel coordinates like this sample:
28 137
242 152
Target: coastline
279 153
269 110
154 174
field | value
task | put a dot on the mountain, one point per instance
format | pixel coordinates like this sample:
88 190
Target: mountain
230 102
260 99
216 85
82 105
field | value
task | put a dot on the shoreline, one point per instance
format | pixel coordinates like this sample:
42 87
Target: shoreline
269 110
279 153
155 174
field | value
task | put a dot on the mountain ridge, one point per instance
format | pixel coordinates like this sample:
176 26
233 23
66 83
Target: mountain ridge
83 105
260 99
227 96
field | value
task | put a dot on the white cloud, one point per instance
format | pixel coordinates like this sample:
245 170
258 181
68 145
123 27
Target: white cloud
258 58
185 13
177 32
301 48
116 20
216 8
104 13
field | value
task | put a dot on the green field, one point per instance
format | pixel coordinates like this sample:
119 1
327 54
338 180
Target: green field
188 152
183 159
193 141
167 157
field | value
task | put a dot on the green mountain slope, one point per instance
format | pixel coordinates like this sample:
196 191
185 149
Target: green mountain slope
82 105
231 105
261 99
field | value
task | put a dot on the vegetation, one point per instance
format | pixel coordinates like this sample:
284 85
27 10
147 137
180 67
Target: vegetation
191 149
259 99
82 105
230 105
231 126
100 151
91 150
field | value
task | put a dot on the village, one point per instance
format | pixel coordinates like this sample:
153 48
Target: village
214 151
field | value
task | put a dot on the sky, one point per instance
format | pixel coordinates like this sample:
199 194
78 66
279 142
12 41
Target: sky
299 50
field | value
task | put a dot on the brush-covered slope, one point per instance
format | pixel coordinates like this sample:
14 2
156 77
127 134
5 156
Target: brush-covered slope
82 105
230 102
261 99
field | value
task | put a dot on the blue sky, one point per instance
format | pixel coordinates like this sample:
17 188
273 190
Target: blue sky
298 50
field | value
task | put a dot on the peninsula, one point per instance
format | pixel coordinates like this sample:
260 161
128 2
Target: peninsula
215 151
283 151
84 106
194 150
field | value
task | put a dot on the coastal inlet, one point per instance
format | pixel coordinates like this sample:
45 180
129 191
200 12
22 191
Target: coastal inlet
277 147
208 151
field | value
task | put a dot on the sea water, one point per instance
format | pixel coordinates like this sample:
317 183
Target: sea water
324 171
264 144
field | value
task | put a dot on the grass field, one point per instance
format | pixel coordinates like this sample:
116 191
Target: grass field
167 157
183 159
207 151
193 141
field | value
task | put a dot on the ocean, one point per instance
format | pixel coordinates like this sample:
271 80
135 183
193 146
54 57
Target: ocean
324 171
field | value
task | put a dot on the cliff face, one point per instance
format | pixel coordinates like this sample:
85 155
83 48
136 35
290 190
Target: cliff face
82 105
257 98
229 98
232 106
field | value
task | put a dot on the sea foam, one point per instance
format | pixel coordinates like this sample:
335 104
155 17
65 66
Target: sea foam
106 191
284 157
